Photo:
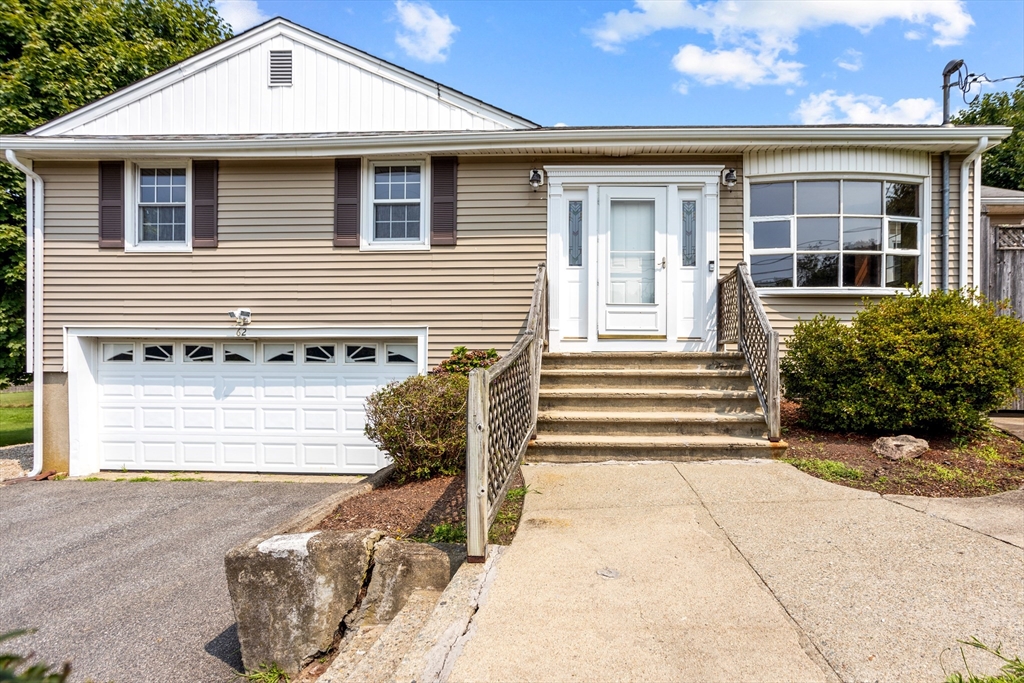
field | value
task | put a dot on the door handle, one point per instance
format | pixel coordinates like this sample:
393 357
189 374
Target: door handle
664 261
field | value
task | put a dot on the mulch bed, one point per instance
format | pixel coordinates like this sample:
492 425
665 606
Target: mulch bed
413 510
989 463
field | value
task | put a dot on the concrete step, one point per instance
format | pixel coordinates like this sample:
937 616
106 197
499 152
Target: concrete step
708 361
620 399
379 663
674 378
649 423
570 448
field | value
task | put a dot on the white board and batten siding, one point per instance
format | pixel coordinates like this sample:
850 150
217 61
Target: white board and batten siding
334 88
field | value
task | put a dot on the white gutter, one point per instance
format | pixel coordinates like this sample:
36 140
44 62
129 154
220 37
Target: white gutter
34 302
962 280
531 141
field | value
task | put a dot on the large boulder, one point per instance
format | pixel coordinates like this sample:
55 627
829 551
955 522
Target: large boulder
290 592
903 447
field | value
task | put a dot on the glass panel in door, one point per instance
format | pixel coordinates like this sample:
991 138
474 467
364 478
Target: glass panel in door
631 253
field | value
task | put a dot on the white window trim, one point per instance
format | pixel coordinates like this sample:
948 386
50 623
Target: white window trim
132 241
924 256
366 240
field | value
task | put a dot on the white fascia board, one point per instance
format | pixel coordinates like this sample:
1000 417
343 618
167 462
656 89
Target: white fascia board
250 39
1002 201
252 331
933 139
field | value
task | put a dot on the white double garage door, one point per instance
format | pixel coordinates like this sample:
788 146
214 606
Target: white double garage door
276 405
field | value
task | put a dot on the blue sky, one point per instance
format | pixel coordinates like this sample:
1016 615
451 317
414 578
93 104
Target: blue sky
676 62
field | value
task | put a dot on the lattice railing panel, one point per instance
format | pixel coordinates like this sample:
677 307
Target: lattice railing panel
510 422
728 312
754 341
1010 238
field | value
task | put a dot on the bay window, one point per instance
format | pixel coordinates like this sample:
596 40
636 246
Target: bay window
841 233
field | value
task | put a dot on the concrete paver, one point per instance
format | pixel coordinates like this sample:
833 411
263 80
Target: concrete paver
126 579
632 581
1000 516
1014 424
749 571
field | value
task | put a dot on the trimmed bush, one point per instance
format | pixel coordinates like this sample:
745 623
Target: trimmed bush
935 364
421 424
463 360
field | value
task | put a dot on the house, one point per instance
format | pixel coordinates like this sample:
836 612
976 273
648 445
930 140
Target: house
227 257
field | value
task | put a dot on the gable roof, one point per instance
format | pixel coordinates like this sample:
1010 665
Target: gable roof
335 88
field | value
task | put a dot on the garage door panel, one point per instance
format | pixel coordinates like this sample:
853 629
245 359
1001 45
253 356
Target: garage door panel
117 418
239 453
277 421
158 453
194 419
320 388
320 420
118 452
157 418
360 455
199 453
321 455
238 416
281 454
158 386
199 387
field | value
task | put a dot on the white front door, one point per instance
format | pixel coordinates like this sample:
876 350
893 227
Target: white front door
633 262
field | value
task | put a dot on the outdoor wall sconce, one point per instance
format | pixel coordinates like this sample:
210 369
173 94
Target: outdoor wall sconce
536 178
729 177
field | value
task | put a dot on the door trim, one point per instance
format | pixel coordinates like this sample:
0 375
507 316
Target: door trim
702 178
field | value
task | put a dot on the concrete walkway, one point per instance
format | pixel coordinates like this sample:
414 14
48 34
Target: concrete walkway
736 571
1012 424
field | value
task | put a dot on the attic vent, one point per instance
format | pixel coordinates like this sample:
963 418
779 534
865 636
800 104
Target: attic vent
280 67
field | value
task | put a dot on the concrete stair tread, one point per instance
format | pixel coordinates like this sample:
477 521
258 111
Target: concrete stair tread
632 355
649 372
648 416
641 392
633 441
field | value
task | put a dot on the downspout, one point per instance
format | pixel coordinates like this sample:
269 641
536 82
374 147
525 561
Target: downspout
945 221
34 302
964 175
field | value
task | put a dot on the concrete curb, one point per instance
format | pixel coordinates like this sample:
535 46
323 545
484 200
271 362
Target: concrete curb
309 518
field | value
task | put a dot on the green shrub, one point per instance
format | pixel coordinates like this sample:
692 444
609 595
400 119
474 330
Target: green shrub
421 424
463 360
937 363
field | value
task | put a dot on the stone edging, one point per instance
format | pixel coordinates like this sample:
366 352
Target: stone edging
309 518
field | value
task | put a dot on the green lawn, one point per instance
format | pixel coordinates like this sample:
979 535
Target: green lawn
15 418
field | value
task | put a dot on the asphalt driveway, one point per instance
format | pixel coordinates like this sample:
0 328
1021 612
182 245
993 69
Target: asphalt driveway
126 579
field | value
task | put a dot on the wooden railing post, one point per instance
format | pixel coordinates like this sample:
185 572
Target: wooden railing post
774 389
476 467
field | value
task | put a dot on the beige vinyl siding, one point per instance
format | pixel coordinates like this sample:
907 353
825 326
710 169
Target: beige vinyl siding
730 226
276 257
954 221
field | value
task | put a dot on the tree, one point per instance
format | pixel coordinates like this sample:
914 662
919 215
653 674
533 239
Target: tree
56 56
1002 166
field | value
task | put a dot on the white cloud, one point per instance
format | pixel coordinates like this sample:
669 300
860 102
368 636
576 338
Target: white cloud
241 14
427 35
755 34
829 107
913 35
740 67
851 60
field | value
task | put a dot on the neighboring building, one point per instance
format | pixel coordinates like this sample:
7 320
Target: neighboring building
1004 207
372 219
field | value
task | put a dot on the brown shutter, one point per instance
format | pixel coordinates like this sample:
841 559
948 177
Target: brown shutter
346 202
204 203
111 204
443 179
